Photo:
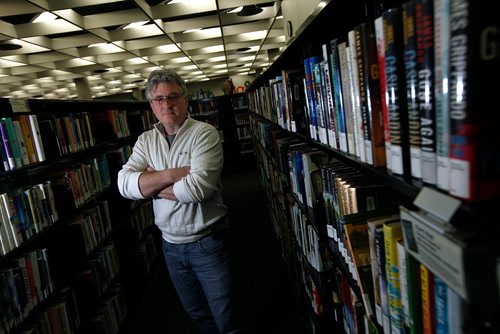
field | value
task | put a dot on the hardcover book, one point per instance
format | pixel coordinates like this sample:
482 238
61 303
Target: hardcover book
410 54
371 104
441 90
396 92
393 233
424 25
474 140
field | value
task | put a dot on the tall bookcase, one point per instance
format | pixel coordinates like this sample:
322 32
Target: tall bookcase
371 247
230 115
74 252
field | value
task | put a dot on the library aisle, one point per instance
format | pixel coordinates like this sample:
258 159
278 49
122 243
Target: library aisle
266 294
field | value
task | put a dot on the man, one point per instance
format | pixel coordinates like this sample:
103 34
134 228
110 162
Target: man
178 163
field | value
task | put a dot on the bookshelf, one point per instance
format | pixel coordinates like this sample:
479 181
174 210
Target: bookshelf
230 115
74 252
324 244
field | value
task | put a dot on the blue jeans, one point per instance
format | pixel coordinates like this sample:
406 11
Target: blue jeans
200 272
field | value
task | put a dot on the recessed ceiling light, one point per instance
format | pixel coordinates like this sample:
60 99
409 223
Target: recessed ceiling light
242 49
9 46
100 70
249 10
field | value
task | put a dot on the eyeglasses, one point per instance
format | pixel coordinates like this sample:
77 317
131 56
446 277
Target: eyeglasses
171 99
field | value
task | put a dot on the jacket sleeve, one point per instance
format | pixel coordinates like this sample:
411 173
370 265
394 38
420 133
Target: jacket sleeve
207 160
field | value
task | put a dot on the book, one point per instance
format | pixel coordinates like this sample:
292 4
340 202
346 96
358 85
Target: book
15 146
440 305
6 242
410 54
358 245
310 96
474 141
346 97
19 265
380 44
37 139
22 145
403 284
396 92
441 90
424 30
393 233
329 97
371 104
295 87
338 98
428 306
312 162
354 121
4 164
377 264
414 294
28 138
14 228
7 147
52 148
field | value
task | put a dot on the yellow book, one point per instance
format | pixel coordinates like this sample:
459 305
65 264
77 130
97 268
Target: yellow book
393 233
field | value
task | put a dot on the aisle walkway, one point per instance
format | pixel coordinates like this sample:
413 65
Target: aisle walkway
267 297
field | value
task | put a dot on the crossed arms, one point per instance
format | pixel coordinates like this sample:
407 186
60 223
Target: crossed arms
161 183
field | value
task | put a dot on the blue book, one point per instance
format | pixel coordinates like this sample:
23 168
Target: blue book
441 305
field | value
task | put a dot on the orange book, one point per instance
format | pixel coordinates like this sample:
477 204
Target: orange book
427 286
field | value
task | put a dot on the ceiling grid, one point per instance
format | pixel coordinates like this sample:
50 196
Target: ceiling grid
201 39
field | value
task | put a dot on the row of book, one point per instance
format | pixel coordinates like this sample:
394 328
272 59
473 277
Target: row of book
81 181
375 234
25 213
31 138
24 285
397 91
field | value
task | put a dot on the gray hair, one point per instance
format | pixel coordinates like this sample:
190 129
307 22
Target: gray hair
164 75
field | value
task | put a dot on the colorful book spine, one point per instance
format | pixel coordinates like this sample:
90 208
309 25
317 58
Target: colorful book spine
346 91
371 104
28 138
379 37
309 88
474 140
428 309
35 130
7 146
392 234
356 130
14 142
410 53
396 92
441 305
441 90
338 96
424 25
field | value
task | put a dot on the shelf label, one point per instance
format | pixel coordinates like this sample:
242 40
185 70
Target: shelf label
19 105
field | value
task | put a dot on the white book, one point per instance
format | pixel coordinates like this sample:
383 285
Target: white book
11 221
37 138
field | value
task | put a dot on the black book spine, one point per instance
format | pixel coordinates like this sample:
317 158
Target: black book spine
410 54
424 24
396 92
474 139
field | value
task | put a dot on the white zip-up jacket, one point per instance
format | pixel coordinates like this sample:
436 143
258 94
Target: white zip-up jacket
198 145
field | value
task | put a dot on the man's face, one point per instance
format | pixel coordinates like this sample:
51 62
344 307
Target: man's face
169 105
